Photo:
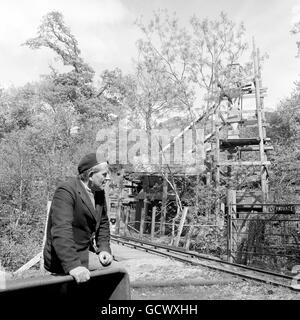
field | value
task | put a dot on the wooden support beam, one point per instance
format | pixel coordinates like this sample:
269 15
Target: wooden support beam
126 209
225 121
119 203
260 118
244 163
217 158
30 263
231 243
173 233
256 148
118 217
252 95
45 235
164 207
183 217
142 222
153 223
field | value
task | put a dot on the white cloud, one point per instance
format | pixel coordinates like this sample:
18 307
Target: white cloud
97 25
295 14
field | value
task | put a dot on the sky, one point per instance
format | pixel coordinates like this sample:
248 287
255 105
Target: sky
107 35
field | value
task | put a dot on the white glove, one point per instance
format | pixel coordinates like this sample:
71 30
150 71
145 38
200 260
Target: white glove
105 258
80 274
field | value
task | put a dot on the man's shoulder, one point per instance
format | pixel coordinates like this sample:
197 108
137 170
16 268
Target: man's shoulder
69 184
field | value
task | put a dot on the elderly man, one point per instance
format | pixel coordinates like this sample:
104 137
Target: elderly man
78 228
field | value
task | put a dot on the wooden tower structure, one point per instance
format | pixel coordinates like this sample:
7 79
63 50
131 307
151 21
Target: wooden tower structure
239 139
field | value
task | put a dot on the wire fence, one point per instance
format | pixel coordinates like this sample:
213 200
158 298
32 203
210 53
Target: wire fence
268 239
205 237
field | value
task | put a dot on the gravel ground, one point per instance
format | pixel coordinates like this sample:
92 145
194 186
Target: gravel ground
154 270
235 291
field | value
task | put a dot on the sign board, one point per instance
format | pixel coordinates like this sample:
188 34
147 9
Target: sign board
282 209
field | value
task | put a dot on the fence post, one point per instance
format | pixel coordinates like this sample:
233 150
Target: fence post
118 217
143 215
119 207
173 232
231 201
164 207
229 236
153 222
126 209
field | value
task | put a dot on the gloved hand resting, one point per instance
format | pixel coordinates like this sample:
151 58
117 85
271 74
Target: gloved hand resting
80 274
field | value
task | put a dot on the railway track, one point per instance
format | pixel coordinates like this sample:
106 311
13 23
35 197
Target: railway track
194 258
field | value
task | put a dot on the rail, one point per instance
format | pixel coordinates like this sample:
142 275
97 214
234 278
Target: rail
195 258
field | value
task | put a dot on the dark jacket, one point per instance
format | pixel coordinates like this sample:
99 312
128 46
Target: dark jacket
72 223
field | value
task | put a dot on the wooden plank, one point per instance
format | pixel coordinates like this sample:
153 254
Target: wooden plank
164 207
217 159
118 217
252 95
234 142
244 163
256 148
231 241
173 232
153 222
183 217
30 263
119 205
45 234
143 215
126 221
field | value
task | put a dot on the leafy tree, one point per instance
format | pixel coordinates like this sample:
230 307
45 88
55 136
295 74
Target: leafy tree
284 131
164 53
74 89
55 35
196 60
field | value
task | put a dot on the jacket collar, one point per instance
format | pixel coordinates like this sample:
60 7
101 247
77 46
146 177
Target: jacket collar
85 198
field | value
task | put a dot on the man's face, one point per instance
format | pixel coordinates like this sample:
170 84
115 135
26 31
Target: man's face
99 176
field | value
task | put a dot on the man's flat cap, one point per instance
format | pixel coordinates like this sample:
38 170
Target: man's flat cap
87 162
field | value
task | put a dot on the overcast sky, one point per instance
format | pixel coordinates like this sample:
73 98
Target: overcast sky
106 34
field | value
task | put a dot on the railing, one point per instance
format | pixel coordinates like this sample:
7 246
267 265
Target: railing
61 295
202 236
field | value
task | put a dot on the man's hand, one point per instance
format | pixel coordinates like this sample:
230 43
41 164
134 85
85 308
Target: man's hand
80 274
105 258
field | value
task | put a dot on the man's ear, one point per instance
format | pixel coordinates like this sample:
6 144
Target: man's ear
91 173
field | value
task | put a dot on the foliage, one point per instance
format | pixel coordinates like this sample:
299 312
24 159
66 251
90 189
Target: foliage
45 129
196 60
284 131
